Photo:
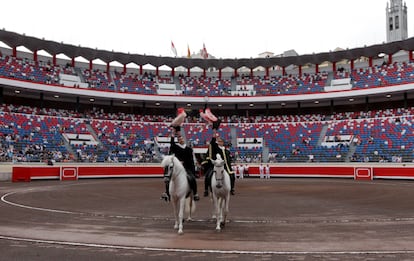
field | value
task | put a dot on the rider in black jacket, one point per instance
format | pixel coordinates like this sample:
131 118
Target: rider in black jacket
185 154
215 147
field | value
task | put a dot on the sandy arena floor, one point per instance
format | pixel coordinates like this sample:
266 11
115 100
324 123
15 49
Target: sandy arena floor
277 219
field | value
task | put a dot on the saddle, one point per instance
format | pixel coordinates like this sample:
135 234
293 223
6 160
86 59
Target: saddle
190 178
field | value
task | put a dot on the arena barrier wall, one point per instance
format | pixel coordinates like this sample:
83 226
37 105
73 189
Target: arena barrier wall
74 172
28 173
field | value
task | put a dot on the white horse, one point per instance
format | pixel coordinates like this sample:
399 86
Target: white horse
220 186
180 191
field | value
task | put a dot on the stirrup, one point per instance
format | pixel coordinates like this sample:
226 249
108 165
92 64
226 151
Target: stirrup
165 197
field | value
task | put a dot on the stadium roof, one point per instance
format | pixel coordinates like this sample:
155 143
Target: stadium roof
54 48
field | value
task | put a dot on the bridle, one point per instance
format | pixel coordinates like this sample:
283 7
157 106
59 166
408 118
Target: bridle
221 179
170 169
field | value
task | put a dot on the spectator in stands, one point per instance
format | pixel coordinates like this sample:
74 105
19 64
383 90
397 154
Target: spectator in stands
337 138
215 147
371 139
311 158
186 155
295 151
306 140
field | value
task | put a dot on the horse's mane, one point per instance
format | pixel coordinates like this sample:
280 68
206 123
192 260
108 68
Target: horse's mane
167 160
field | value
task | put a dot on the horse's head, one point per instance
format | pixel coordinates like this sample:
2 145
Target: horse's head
168 164
218 162
219 170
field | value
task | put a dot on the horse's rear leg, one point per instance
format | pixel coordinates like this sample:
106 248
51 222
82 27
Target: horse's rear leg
225 210
189 205
175 211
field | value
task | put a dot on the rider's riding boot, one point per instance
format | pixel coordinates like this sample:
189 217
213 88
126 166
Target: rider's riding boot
165 196
232 181
193 185
206 185
196 197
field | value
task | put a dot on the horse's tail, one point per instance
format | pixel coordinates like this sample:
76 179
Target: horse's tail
190 206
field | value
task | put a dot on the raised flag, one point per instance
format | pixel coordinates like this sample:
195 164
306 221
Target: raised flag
204 52
173 49
188 52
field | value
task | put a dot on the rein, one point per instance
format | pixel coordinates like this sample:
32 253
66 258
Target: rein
168 174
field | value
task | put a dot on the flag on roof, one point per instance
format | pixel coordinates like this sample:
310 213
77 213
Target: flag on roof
188 51
173 49
204 53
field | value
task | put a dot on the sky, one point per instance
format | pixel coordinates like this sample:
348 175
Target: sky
227 28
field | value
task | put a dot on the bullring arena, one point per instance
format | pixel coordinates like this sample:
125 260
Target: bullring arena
84 126
297 217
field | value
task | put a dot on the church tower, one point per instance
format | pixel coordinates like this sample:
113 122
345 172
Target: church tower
396 14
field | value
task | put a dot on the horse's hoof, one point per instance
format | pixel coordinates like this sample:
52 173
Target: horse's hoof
218 229
189 219
180 232
222 224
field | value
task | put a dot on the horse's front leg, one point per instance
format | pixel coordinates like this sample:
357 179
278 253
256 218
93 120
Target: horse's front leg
214 210
219 214
214 199
181 203
175 212
225 209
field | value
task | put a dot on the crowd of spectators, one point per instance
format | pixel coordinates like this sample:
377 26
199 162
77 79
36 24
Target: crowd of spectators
289 84
381 145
